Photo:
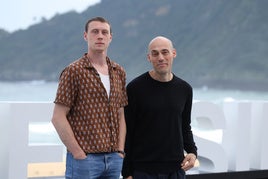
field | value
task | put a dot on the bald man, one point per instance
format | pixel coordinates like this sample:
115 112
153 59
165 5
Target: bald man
158 118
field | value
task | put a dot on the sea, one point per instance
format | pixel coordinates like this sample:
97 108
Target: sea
41 90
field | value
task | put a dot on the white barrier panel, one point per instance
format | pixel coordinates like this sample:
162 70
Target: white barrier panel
230 137
16 119
259 133
4 139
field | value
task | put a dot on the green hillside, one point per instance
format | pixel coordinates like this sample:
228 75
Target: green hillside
220 43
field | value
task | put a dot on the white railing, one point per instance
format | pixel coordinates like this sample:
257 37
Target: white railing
231 136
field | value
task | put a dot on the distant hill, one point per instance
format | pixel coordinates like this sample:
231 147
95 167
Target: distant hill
220 44
3 33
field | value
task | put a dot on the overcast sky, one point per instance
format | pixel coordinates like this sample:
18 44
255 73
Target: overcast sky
20 14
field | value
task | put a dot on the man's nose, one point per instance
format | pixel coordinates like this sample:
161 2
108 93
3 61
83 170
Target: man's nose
160 57
100 35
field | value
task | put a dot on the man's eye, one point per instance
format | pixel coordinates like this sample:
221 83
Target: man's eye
95 31
154 54
165 52
105 32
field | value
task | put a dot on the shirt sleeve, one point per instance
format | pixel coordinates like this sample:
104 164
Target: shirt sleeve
189 144
124 98
67 88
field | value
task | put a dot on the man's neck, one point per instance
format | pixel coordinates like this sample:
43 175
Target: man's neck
99 62
165 77
97 58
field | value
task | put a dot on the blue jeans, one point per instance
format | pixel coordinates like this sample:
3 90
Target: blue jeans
95 166
180 174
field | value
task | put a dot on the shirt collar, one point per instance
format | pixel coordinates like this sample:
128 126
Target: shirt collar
87 64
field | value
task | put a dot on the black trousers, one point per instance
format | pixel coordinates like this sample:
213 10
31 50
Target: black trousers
180 174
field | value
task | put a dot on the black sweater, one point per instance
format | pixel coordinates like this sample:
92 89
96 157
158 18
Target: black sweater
158 118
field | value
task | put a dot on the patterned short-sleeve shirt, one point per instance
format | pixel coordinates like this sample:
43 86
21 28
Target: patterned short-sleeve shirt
93 116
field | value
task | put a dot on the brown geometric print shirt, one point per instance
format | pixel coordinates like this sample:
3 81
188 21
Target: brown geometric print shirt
93 116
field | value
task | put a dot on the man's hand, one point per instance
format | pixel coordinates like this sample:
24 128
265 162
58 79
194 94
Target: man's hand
188 162
80 155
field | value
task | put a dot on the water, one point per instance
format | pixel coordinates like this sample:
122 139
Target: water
28 91
45 91
219 95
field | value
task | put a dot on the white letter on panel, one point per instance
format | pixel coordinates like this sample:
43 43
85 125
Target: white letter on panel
259 133
236 139
208 121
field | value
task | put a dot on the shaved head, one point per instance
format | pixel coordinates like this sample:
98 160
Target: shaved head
160 39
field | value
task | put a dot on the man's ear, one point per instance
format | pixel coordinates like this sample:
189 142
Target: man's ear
148 58
111 37
85 36
174 53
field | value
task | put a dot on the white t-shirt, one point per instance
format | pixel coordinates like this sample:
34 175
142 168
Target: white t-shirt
106 82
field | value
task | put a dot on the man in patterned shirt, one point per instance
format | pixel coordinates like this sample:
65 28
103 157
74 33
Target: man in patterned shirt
88 113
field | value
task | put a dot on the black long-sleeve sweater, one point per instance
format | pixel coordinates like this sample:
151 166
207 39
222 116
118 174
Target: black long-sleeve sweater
158 118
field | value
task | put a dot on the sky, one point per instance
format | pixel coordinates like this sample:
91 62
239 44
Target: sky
20 14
